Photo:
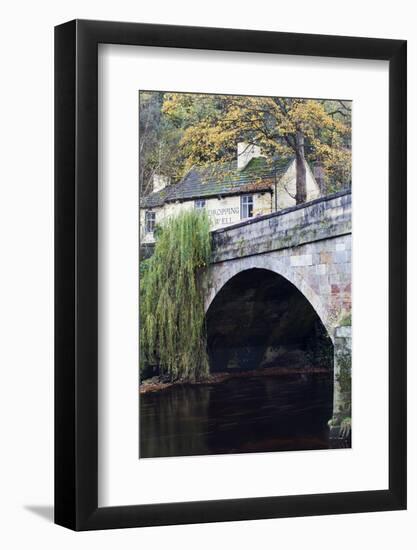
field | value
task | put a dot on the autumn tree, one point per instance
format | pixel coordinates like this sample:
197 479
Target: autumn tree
159 141
316 130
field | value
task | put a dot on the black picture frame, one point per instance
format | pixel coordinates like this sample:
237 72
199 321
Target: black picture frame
76 272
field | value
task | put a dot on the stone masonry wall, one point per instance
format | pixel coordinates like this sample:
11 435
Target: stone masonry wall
310 245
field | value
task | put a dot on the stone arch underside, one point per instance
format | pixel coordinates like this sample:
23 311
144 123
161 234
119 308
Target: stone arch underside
220 274
259 319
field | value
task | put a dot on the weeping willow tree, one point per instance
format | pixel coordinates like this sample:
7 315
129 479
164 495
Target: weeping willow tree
172 316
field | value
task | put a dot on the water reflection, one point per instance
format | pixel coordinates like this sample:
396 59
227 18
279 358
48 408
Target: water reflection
258 414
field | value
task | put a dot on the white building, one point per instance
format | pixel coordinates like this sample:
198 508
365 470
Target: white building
230 192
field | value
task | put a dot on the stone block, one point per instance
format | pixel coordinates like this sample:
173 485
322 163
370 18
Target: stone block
335 289
324 290
343 332
325 257
340 257
316 258
346 268
323 279
336 278
302 260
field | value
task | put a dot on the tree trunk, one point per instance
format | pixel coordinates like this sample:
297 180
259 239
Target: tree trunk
301 187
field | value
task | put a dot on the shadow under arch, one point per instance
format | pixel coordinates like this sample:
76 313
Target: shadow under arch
224 273
260 319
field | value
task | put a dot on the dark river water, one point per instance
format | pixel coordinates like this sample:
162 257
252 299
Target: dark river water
241 415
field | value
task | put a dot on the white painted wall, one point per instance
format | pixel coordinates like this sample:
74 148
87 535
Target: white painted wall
287 186
26 278
245 153
160 182
222 212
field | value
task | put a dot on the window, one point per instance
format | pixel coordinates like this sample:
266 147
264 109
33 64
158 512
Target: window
199 204
149 221
246 206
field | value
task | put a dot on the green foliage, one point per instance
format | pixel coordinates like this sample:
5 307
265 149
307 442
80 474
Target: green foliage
344 378
346 320
158 141
171 305
212 125
346 427
319 348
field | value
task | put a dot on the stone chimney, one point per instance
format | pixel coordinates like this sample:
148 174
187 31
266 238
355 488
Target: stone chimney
245 153
160 182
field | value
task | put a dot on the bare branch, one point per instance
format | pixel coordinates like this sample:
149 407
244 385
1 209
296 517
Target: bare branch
338 111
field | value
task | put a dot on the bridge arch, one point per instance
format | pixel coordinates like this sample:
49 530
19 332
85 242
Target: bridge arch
220 274
260 320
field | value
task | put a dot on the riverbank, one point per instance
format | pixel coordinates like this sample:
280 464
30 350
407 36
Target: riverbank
155 384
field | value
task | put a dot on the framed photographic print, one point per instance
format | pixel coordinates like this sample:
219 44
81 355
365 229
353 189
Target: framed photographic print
230 275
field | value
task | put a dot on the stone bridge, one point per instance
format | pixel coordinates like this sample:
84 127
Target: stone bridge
308 246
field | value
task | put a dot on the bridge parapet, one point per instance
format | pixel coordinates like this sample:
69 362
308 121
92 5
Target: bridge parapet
323 218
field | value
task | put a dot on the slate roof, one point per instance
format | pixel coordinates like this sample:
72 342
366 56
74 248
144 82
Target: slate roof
221 179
